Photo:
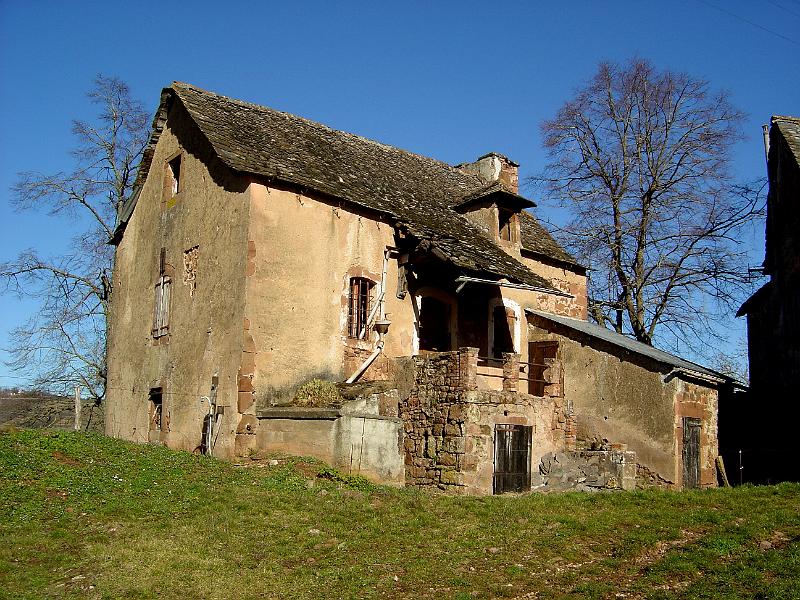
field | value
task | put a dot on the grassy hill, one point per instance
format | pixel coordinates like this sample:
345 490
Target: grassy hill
86 516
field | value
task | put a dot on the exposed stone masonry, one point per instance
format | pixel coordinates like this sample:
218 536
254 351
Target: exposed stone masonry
449 423
586 470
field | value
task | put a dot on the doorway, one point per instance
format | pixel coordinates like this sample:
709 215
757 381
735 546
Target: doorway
512 465
538 354
691 452
435 332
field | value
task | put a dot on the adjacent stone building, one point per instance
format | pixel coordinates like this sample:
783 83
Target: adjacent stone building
773 324
263 253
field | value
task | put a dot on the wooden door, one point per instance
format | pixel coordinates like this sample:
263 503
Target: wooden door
512 465
537 353
691 452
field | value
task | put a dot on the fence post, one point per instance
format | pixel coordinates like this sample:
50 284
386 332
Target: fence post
77 408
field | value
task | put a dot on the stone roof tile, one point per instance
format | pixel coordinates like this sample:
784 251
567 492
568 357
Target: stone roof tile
416 191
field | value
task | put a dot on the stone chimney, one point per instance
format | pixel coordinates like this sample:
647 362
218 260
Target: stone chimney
495 167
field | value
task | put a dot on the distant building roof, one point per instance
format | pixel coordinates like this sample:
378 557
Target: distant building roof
419 193
626 343
790 130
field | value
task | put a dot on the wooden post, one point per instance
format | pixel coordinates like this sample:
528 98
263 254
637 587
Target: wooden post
722 473
77 408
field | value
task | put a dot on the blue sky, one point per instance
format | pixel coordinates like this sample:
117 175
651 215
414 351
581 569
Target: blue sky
451 80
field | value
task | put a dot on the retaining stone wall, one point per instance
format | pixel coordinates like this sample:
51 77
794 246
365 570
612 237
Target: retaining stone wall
586 470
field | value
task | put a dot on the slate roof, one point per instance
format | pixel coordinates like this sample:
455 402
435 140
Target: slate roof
495 189
536 239
417 192
790 130
626 343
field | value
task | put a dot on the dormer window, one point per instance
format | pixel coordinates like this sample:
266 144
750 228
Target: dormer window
507 225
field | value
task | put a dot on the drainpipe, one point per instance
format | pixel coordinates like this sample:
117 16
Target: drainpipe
367 363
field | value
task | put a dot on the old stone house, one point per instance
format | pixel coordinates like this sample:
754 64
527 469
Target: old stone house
773 323
262 253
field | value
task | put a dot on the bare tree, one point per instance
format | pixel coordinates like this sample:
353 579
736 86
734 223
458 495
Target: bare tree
64 343
640 159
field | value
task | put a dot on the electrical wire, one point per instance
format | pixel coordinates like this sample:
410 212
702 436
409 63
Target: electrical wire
789 10
749 22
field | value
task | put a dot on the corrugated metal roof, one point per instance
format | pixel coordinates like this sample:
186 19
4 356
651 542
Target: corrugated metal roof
626 343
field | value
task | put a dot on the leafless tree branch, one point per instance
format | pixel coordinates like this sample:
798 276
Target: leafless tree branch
640 158
64 343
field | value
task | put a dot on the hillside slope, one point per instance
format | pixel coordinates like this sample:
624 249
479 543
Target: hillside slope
86 516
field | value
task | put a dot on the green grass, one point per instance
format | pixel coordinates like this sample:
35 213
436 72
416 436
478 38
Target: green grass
84 516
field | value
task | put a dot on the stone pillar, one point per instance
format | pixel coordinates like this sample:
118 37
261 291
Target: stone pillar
571 432
510 372
468 368
246 427
554 376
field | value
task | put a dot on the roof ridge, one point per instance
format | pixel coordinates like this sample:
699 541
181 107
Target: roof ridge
322 126
785 118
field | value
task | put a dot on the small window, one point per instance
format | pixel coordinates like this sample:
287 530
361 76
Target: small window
162 293
359 307
155 409
506 225
175 174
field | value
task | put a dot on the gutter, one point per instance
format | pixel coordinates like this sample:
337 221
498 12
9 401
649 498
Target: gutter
694 375
463 280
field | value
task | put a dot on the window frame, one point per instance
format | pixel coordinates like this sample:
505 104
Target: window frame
156 409
163 294
359 306
506 222
174 165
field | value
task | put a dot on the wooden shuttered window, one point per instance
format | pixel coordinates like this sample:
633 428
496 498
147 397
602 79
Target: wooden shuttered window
163 290
359 306
506 225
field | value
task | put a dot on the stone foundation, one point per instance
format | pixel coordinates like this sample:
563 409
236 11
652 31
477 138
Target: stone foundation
449 424
586 470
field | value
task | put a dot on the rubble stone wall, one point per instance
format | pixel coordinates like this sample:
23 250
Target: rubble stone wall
449 424
586 470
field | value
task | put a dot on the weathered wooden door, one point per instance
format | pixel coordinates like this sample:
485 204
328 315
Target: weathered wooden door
537 353
512 465
691 452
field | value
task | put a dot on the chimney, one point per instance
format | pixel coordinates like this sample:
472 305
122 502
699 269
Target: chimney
495 167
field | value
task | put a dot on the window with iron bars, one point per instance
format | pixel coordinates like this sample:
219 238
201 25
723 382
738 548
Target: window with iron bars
359 307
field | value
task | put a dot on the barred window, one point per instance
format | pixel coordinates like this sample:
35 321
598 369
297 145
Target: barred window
359 307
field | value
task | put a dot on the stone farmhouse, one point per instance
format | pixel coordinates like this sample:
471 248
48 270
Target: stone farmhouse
263 254
773 323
